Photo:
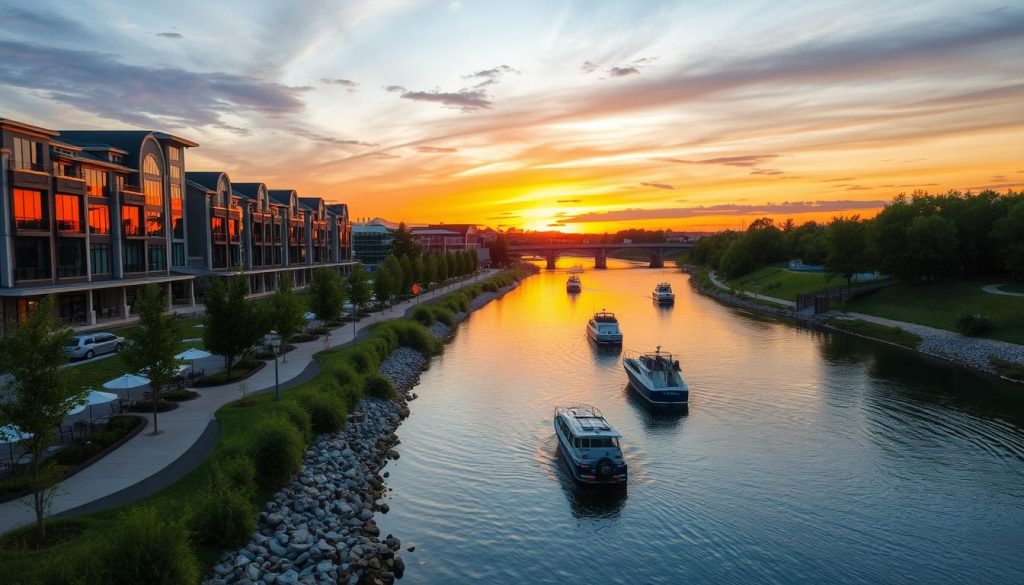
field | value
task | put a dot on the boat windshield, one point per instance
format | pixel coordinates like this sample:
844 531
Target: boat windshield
605 318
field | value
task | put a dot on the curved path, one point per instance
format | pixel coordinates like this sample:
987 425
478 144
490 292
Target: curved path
995 290
148 463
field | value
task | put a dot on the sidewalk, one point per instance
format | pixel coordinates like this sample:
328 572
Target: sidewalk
777 301
145 455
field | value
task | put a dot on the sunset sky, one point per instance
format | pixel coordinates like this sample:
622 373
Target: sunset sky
581 116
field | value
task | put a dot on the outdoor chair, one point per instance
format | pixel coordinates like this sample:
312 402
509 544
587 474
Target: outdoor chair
66 432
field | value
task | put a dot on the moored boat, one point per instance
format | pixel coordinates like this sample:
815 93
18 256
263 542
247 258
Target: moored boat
590 445
603 327
656 376
663 294
574 284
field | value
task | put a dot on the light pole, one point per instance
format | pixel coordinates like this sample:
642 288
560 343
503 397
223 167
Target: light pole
275 343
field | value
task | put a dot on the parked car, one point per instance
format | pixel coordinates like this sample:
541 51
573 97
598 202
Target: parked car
90 345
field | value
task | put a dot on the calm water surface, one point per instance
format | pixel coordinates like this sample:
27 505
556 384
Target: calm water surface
805 457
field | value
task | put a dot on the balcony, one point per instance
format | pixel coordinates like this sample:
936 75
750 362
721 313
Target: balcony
131 189
29 175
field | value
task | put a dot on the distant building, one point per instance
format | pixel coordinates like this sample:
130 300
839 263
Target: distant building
371 243
443 238
676 237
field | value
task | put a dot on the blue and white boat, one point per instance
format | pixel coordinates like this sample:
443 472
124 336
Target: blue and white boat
663 294
656 376
590 445
603 328
574 284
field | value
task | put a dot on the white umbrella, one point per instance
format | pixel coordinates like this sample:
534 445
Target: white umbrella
94 398
11 434
193 354
310 316
126 382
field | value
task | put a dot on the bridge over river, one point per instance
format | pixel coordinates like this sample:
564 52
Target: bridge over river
600 252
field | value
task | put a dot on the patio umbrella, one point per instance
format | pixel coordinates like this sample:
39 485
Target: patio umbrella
11 434
126 382
191 355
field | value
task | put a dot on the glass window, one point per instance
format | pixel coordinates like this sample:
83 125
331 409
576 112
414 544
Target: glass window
154 190
157 258
178 254
233 228
133 260
99 257
95 182
154 224
99 219
28 210
217 227
175 173
69 213
27 154
174 154
150 166
70 257
31 258
131 217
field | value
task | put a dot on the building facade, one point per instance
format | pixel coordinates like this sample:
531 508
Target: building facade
92 216
371 243
443 238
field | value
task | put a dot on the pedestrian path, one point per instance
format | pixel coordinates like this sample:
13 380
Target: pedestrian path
145 454
753 295
994 289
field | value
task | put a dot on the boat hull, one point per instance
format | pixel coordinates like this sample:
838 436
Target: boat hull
663 300
669 398
604 338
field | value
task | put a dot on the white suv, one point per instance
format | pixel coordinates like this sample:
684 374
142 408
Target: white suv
90 345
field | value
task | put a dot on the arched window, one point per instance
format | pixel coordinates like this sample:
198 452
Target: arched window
150 166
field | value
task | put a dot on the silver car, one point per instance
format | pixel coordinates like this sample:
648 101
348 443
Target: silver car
90 345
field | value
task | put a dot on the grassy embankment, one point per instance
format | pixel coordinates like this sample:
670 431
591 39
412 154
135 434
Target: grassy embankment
174 536
775 281
874 330
1014 288
941 303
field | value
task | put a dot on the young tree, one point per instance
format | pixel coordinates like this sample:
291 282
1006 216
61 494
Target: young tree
442 268
408 278
932 246
393 273
233 323
37 394
285 312
499 251
358 290
453 269
326 294
1008 233
403 244
846 245
419 270
384 281
430 270
150 348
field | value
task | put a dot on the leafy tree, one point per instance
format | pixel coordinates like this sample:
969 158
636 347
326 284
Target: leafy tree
150 348
453 269
387 281
442 268
419 270
285 312
846 245
37 394
233 323
408 278
932 246
403 244
499 251
430 270
1008 233
358 286
326 294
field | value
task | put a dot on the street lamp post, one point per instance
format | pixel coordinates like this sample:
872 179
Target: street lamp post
275 344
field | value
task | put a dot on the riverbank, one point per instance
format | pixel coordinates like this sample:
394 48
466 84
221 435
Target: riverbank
321 528
978 354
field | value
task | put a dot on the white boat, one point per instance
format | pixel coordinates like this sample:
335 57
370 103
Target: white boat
590 445
574 284
576 269
663 294
603 327
656 376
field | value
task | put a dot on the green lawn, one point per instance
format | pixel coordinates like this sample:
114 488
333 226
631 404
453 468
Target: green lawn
776 281
940 304
868 329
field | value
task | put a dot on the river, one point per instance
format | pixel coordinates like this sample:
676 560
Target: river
805 457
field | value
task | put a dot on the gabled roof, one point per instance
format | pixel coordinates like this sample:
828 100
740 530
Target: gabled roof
199 186
281 196
127 140
247 190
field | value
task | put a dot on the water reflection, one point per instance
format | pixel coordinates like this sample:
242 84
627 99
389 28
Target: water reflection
606 355
655 419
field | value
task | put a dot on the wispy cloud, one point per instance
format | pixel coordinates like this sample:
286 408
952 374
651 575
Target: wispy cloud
658 185
170 35
145 96
568 201
325 139
623 71
436 149
589 67
490 76
788 207
464 100
348 84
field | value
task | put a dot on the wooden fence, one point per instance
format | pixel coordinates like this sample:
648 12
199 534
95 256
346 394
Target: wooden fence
823 300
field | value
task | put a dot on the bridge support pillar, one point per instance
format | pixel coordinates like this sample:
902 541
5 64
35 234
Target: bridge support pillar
657 261
601 260
552 258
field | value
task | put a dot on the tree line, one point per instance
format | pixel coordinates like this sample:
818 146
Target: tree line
915 238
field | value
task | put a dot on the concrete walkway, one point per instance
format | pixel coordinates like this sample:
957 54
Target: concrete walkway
146 455
993 289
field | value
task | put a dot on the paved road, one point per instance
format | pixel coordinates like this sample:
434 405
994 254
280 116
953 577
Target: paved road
146 455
